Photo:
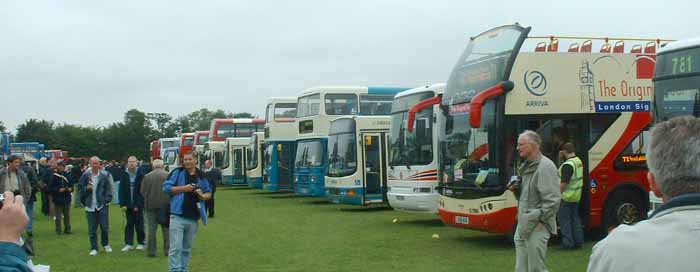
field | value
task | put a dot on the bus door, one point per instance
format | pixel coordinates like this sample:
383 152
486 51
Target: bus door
374 152
555 132
285 165
239 163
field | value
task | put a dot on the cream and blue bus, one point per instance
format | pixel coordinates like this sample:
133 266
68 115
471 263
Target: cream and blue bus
233 171
413 149
316 107
254 163
280 144
357 156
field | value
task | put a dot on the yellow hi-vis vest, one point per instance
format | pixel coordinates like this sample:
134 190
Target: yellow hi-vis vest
572 193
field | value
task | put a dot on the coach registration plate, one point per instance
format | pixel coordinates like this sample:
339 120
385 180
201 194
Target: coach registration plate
462 220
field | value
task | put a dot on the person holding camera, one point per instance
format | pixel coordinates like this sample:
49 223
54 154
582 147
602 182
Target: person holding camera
95 194
13 221
13 179
538 201
188 188
61 188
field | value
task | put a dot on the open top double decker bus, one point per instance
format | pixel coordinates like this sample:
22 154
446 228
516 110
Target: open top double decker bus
413 149
280 144
254 164
600 102
357 160
316 107
676 85
233 171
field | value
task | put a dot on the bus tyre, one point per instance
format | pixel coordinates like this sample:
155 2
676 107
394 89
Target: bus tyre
624 207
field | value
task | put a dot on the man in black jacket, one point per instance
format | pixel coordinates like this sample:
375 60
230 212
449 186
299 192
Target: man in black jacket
34 183
61 188
214 177
131 201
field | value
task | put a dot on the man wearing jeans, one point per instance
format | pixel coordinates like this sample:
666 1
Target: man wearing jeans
571 183
131 201
156 204
95 193
187 187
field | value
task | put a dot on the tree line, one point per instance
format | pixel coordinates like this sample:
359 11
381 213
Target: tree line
118 140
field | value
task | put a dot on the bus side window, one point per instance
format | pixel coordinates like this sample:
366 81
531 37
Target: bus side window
633 157
599 124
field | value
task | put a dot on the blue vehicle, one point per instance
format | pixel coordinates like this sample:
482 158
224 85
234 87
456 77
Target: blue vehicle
280 144
35 149
4 146
313 123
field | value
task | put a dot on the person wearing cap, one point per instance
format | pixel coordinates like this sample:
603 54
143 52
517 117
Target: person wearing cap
61 188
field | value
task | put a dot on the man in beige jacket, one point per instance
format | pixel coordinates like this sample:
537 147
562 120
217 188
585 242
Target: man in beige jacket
157 205
538 202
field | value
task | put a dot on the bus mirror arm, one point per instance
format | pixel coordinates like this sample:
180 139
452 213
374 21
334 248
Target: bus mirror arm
419 107
478 101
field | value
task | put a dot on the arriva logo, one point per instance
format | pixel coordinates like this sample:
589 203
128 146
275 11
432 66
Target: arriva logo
535 82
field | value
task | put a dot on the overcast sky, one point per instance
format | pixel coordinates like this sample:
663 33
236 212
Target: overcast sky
88 62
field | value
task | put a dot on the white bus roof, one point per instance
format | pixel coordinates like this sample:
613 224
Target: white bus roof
436 87
357 89
288 99
693 42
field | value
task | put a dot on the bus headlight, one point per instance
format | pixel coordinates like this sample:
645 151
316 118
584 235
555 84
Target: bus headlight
314 179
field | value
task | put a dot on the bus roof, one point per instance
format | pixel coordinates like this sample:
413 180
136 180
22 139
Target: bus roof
436 87
678 45
287 99
357 89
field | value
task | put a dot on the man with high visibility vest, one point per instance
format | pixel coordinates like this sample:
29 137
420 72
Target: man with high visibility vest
571 172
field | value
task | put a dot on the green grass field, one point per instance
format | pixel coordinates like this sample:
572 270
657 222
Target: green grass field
260 231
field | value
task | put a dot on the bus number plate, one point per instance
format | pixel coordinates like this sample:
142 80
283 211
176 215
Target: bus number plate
462 220
399 197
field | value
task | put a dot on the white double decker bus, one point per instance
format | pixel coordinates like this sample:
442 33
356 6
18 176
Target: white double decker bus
413 149
316 107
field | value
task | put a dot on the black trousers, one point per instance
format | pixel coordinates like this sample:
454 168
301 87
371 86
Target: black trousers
134 222
210 205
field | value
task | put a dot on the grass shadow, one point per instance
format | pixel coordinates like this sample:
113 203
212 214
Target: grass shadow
318 202
366 209
282 196
487 241
232 188
425 222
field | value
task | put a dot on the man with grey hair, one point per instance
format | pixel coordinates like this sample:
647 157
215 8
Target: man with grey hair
538 201
157 204
668 240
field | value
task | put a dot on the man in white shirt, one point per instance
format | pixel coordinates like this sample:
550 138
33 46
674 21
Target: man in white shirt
95 193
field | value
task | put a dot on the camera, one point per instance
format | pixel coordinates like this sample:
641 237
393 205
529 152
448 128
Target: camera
2 200
514 181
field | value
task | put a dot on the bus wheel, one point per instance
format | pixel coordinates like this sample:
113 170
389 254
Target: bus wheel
625 207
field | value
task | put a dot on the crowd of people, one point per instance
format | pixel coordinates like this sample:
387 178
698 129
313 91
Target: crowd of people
147 194
176 202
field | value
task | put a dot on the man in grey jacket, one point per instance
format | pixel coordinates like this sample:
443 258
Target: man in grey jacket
157 204
13 179
668 240
538 202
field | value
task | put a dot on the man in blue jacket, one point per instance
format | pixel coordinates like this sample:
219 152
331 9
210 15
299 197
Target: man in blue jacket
13 221
95 188
187 187
131 201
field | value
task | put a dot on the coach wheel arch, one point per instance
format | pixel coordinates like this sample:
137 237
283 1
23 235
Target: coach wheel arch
626 204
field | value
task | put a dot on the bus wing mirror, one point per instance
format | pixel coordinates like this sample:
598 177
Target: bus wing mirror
419 107
478 101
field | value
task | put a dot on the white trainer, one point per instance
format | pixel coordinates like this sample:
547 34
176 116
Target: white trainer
127 248
93 252
140 247
108 249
